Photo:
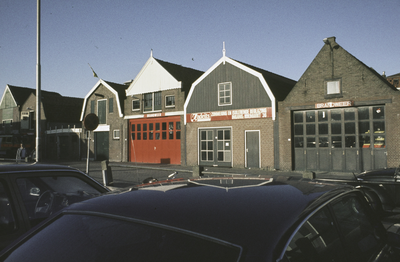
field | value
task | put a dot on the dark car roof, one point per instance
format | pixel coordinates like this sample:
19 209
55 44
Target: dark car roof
254 217
379 172
33 167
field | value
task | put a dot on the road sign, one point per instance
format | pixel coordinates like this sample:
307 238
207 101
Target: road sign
91 122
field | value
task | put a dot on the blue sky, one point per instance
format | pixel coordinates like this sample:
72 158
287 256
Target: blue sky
116 37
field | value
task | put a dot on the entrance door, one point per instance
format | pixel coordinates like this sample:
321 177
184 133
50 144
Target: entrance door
215 147
101 145
252 149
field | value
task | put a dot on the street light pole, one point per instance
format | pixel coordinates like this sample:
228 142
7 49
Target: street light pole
38 83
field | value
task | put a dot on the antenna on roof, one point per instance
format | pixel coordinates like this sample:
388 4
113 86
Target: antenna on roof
223 51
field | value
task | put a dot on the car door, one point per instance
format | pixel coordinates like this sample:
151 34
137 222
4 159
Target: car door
12 222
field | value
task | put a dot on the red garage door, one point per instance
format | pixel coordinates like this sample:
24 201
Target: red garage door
155 140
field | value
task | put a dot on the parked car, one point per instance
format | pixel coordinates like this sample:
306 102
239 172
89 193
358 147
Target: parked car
381 187
31 193
214 219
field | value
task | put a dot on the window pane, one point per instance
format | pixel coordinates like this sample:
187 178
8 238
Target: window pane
310 141
151 126
323 129
220 134
203 135
322 116
310 129
135 104
349 128
227 134
164 126
349 114
110 105
364 127
379 141
298 117
323 142
363 113
148 102
365 141
333 87
379 127
144 135
157 136
164 135
350 141
336 115
336 142
139 127
378 112
171 135
360 236
7 221
298 142
144 127
310 116
298 130
316 240
210 156
178 135
169 100
133 136
133 127
178 126
157 101
171 126
151 136
336 128
157 126
210 145
220 156
139 136
101 111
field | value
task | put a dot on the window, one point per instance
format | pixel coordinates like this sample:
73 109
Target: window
333 88
396 82
116 134
224 94
101 111
7 220
110 105
152 101
135 105
169 101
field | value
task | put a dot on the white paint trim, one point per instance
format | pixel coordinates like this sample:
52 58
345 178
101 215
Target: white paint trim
102 128
115 93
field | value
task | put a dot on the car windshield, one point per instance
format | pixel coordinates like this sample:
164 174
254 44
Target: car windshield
81 237
44 195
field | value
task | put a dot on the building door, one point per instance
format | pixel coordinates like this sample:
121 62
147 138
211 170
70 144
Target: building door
101 145
252 149
215 147
155 140
339 139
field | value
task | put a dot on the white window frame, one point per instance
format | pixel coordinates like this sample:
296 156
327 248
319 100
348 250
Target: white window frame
138 109
333 87
169 106
116 134
225 96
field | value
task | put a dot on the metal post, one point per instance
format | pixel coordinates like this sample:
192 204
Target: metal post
88 151
38 82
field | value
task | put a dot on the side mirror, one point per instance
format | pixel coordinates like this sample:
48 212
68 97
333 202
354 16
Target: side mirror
393 233
34 191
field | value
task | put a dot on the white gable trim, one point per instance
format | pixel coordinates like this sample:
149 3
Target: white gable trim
162 80
5 91
224 60
112 90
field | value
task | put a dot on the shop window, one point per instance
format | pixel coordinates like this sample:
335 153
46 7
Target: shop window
136 105
116 134
169 101
224 94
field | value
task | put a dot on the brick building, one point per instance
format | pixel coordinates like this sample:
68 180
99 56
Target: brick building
394 80
340 116
231 116
154 112
108 141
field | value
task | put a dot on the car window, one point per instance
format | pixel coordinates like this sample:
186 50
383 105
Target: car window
359 234
7 219
316 240
92 238
45 195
